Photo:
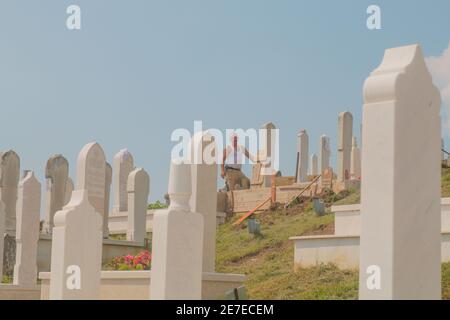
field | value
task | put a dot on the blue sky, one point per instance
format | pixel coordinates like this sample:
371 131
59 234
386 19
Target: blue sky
139 69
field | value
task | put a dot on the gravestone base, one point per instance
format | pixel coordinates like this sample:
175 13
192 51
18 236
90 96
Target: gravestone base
134 285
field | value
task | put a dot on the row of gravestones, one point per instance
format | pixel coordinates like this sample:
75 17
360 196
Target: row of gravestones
20 201
183 244
400 241
348 160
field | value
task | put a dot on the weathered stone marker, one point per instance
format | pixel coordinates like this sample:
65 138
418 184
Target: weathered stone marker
69 188
314 170
91 175
400 199
9 179
27 230
345 134
56 175
76 251
303 156
324 153
268 151
177 243
123 164
355 163
138 187
204 194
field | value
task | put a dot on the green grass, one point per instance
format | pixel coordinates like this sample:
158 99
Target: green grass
6 279
353 198
235 243
267 260
445 182
446 281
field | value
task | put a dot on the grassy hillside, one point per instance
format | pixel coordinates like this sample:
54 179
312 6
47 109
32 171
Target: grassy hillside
267 260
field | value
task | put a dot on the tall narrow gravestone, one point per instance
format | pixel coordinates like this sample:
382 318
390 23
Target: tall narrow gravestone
268 153
314 165
303 156
345 134
56 175
27 230
400 251
9 179
91 175
76 251
123 164
138 187
177 243
355 165
324 153
204 193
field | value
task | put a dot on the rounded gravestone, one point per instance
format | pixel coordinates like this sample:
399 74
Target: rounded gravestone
9 180
56 175
91 175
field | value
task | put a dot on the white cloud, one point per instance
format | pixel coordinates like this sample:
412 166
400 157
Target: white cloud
440 70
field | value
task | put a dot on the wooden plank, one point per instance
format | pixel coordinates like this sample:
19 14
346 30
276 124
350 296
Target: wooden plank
252 212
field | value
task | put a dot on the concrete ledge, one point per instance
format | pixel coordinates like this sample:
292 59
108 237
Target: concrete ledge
347 218
445 201
118 222
111 249
135 285
13 292
125 243
343 251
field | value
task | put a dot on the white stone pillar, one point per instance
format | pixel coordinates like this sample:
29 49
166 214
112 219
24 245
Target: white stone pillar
345 134
56 175
400 251
27 230
204 194
355 165
76 251
177 243
314 167
268 150
324 153
123 164
303 156
138 187
9 179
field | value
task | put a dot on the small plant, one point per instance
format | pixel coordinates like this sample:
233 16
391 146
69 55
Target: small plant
141 261
157 205
6 279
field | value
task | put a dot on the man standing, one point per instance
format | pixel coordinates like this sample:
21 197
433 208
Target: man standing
231 166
